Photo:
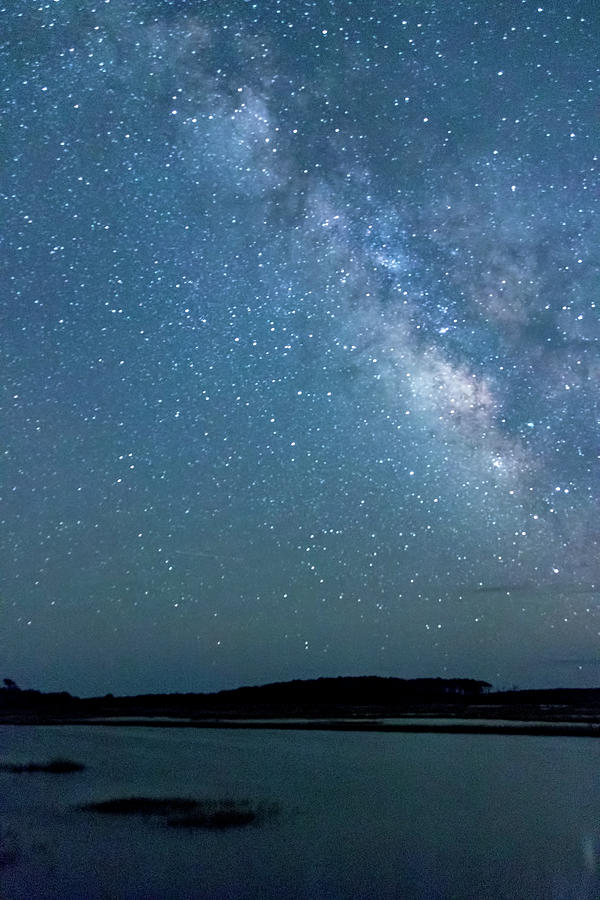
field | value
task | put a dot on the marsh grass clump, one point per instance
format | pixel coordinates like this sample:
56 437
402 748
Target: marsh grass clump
217 814
142 806
53 767
185 812
220 818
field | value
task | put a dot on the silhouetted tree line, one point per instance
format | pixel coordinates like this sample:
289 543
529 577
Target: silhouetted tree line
291 696
362 690
319 696
15 698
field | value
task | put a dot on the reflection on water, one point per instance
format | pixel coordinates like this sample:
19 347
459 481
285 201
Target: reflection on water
370 815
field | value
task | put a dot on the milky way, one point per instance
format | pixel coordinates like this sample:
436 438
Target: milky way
300 342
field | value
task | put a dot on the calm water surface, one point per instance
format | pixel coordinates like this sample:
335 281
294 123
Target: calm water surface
369 815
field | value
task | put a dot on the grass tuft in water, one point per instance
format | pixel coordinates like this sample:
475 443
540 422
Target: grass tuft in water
220 818
142 806
185 812
54 767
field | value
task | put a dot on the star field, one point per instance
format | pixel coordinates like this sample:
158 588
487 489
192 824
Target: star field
300 342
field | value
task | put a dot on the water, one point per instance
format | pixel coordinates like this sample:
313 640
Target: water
368 815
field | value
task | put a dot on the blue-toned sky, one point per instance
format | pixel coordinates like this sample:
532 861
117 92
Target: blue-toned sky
300 342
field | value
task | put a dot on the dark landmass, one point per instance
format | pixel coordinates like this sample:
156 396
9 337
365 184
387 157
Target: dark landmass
321 697
325 702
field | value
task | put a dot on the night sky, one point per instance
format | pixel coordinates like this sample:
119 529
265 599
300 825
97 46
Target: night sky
300 342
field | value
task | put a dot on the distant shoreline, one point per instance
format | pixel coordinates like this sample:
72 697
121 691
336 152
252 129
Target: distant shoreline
345 703
536 729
